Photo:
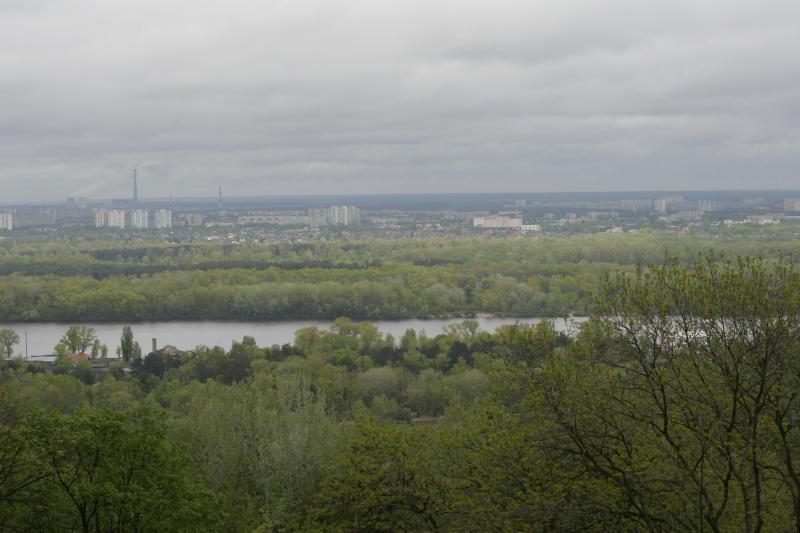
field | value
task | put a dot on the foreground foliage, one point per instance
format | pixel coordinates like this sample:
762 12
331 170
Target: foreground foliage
675 408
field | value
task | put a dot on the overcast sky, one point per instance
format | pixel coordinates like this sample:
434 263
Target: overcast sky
372 96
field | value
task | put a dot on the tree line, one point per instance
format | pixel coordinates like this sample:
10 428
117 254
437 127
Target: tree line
327 279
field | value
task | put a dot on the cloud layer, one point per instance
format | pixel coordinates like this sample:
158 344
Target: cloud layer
370 96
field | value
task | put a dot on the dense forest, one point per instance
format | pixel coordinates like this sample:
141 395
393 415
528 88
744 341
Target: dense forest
106 280
674 408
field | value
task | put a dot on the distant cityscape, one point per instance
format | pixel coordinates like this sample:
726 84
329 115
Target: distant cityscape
409 215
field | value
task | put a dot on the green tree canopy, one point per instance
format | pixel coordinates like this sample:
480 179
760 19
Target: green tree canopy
78 338
8 339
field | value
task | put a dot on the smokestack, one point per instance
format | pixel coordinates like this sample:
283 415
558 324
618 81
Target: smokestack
220 198
155 349
135 187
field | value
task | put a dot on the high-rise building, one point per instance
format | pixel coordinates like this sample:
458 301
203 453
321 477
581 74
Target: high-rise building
29 216
636 204
791 204
116 218
6 221
670 203
319 216
707 205
100 218
345 215
750 202
139 219
183 219
163 219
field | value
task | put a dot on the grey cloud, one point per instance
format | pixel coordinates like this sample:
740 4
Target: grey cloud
359 96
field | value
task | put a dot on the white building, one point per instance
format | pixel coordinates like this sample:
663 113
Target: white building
497 222
6 221
636 204
763 220
683 216
116 218
708 205
319 216
345 215
750 202
278 219
670 203
184 219
163 219
139 219
791 204
100 218
530 227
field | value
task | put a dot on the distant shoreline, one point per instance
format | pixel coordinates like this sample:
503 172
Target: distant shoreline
475 316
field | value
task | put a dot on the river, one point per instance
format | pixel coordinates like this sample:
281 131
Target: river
42 337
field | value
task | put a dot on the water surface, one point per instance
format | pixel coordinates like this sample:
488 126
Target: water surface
42 337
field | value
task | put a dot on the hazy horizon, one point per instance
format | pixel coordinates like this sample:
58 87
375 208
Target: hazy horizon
414 201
